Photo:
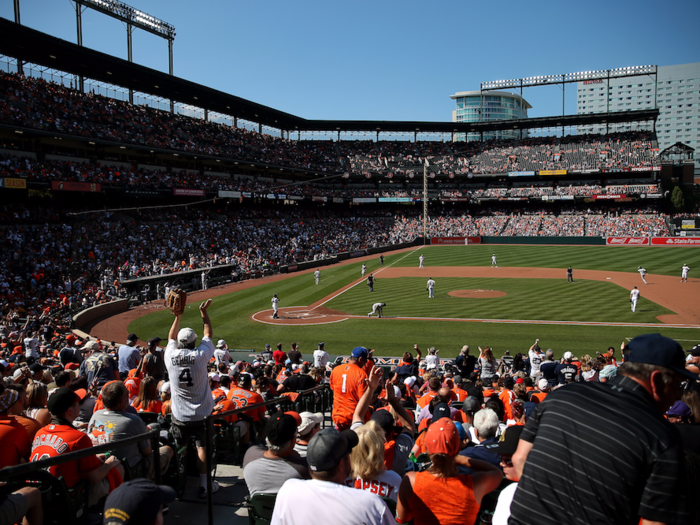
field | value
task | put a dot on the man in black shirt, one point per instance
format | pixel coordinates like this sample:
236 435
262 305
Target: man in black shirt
465 362
297 382
603 452
295 354
569 275
370 282
566 370
549 368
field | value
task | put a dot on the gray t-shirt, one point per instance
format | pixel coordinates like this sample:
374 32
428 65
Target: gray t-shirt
107 426
268 475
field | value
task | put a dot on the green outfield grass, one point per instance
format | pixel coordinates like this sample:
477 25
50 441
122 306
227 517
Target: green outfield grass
551 299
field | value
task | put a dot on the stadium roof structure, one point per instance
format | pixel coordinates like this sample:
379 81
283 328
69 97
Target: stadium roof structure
30 45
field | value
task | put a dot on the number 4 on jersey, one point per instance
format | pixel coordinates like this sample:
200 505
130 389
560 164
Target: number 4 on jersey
186 377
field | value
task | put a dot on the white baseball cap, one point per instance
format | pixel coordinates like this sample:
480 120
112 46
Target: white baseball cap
543 384
186 335
308 421
568 356
214 377
410 381
221 343
165 387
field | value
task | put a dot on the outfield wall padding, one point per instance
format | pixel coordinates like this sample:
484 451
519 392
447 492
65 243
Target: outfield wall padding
94 313
597 241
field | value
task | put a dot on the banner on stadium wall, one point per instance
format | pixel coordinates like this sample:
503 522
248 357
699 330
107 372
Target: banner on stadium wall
567 197
293 267
614 196
93 187
186 192
273 196
615 170
454 199
688 224
521 173
295 198
552 172
675 241
652 195
319 199
455 240
642 168
230 194
247 194
627 241
15 184
338 200
395 199
588 171
360 200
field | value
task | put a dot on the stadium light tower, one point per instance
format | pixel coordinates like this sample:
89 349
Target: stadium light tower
133 18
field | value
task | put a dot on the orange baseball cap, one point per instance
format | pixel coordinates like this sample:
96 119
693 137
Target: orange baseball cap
442 437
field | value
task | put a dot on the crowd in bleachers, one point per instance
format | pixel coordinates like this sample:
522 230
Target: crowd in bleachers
33 103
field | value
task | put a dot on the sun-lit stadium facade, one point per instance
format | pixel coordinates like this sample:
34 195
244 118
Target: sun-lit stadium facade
676 93
478 106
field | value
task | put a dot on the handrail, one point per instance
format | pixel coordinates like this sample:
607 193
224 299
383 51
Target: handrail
26 468
209 438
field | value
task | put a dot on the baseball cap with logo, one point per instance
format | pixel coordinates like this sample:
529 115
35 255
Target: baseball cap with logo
186 335
568 356
359 352
657 350
328 447
136 502
8 398
221 343
508 442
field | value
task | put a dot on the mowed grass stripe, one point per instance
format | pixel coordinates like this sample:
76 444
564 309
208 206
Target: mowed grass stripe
530 299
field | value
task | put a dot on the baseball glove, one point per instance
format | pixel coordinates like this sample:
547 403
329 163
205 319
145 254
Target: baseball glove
176 301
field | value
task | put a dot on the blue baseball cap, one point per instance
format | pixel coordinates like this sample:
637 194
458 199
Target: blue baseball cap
136 502
657 350
359 351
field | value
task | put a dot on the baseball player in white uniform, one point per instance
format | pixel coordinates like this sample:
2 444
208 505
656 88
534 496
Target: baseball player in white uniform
377 308
634 297
494 264
421 260
317 276
364 269
321 357
431 288
189 384
684 273
275 306
643 273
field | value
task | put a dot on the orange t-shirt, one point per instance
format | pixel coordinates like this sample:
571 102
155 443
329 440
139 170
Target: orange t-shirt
427 508
349 383
226 405
425 400
539 396
14 442
31 425
242 398
152 406
461 394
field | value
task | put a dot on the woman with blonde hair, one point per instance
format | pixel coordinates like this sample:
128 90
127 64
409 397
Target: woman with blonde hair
367 463
37 396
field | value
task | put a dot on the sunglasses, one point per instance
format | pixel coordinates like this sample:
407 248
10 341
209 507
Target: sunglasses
508 462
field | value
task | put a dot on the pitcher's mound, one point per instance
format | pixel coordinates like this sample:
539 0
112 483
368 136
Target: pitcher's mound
478 294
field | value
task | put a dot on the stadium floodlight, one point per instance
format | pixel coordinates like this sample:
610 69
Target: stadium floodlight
130 15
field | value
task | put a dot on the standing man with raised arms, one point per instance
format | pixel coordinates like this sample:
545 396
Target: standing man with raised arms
189 384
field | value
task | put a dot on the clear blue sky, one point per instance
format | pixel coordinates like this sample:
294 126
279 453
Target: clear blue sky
386 60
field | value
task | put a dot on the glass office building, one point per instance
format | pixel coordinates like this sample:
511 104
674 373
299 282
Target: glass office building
675 91
478 106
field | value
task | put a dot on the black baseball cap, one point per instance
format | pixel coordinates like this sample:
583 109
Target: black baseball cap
657 350
136 502
61 400
153 341
695 351
328 447
132 337
281 428
385 420
508 442
441 410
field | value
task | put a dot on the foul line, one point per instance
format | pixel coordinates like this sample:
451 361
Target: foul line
363 279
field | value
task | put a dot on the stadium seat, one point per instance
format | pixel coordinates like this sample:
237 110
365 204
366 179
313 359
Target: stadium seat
260 507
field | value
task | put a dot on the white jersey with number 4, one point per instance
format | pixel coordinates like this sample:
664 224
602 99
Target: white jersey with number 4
189 382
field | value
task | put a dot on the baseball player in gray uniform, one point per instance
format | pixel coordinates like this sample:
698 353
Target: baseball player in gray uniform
189 385
684 273
634 297
377 308
494 264
421 260
317 276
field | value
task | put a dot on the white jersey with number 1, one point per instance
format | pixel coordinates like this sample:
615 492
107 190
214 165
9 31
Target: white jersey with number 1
189 382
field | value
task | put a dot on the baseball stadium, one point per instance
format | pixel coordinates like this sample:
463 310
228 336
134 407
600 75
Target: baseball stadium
462 270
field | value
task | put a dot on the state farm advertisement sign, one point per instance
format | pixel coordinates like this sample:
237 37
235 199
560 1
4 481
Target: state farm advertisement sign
627 241
675 241
610 197
455 240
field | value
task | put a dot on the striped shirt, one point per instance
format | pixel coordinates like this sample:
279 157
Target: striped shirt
601 454
189 382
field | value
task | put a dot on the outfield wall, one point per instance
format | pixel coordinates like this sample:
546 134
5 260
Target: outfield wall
544 240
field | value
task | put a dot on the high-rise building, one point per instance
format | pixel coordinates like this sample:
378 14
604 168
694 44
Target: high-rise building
478 106
675 91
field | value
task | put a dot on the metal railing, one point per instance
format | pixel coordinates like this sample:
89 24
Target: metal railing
322 398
